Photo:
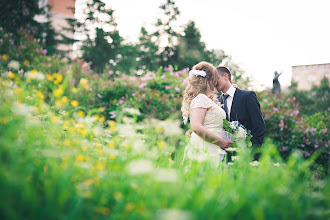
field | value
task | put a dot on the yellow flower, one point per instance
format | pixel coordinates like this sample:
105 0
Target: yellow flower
84 83
18 90
58 92
117 195
101 109
80 113
40 95
65 124
100 166
80 158
112 126
112 156
11 75
102 119
33 72
169 159
89 182
84 148
159 130
55 119
161 144
64 99
49 77
5 57
26 62
96 117
45 168
58 103
67 143
111 145
129 207
74 90
103 210
74 103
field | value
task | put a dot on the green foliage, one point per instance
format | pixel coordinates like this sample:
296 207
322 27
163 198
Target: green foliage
315 100
16 15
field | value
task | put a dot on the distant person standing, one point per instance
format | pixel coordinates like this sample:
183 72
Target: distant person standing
276 84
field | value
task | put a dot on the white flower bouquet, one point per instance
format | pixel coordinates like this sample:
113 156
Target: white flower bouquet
235 131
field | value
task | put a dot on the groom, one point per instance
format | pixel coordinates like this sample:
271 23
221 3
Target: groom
241 105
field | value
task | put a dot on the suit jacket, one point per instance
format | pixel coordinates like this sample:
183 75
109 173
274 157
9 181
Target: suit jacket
246 109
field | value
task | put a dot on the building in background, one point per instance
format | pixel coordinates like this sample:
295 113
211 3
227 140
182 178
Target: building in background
60 10
308 75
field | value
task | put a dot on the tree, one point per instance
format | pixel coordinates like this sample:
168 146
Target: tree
98 37
148 47
30 15
167 32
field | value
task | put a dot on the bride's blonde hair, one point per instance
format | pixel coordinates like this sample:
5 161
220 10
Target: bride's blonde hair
197 85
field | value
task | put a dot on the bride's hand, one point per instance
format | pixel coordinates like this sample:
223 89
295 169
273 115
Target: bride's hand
223 143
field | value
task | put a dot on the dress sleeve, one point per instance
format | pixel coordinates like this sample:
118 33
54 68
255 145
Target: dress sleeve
200 101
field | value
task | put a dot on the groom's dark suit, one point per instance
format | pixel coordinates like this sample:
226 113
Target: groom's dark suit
245 108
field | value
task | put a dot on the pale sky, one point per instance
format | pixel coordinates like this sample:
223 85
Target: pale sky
262 36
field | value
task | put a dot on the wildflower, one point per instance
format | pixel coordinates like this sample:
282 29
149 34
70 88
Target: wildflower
159 130
129 207
139 167
80 158
102 119
40 95
74 103
111 145
64 99
161 144
117 195
67 143
81 113
58 78
55 119
74 90
26 62
11 75
168 87
103 210
18 90
49 77
5 57
13 64
84 83
112 126
112 114
100 166
112 156
58 92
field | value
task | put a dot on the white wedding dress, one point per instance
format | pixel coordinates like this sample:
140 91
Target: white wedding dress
198 149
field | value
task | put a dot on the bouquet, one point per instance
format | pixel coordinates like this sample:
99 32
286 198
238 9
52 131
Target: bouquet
235 131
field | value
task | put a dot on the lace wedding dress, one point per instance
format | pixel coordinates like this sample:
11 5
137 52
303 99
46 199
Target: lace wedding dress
198 149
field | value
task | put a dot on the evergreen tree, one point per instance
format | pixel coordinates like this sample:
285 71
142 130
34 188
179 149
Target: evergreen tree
18 14
148 48
167 32
100 41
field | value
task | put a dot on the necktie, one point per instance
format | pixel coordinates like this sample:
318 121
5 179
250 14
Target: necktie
225 106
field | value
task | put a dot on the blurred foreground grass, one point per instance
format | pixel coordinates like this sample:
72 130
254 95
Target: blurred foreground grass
56 165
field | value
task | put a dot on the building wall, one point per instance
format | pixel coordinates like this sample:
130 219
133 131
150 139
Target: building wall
60 10
308 75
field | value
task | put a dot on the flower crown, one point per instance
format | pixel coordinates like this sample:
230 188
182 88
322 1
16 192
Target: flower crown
197 73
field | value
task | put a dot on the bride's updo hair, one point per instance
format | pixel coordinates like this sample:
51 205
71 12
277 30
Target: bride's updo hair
199 85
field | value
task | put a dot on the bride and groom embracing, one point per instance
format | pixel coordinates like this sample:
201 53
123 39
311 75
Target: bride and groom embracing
206 112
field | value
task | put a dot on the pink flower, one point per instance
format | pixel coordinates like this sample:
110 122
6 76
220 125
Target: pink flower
177 89
99 95
168 87
163 76
142 85
112 114
121 101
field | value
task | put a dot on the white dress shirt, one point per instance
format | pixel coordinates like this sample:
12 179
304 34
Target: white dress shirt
231 92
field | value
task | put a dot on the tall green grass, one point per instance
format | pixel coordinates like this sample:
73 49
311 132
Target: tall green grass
55 166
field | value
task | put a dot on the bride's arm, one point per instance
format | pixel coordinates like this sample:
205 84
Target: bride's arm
196 120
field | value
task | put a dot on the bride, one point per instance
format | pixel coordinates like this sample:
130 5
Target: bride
206 116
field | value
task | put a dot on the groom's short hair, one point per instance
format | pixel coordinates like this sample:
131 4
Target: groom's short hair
222 70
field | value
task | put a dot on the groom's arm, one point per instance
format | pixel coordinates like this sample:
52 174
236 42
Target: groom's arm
258 125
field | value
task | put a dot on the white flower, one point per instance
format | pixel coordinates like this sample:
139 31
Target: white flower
169 214
197 73
34 75
13 64
132 111
240 133
254 163
139 167
165 175
234 125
